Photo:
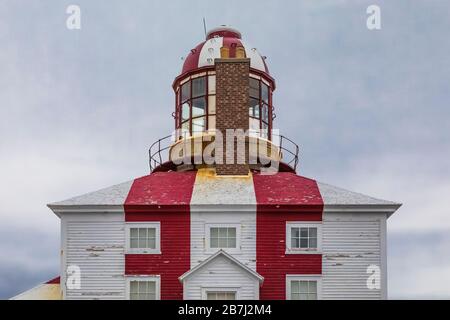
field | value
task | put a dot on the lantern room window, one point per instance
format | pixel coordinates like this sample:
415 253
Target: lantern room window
260 110
196 105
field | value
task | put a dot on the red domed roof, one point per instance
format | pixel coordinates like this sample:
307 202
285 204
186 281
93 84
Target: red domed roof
205 53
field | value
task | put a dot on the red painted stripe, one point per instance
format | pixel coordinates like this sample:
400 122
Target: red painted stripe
191 61
163 197
280 198
231 43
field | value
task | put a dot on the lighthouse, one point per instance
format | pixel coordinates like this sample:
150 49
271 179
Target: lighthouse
224 212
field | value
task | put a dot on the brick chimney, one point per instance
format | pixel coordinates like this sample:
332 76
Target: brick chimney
232 101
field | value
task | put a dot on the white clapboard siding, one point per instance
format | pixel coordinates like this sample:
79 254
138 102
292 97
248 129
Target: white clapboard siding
247 224
351 243
95 244
221 273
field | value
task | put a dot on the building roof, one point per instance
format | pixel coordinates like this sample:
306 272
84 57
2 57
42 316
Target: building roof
203 188
203 54
50 290
221 253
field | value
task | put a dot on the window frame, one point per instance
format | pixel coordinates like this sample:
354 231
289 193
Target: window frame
301 277
155 225
261 104
208 227
303 224
206 97
206 290
155 278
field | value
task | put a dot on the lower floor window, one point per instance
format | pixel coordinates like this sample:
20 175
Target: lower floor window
221 295
303 287
143 289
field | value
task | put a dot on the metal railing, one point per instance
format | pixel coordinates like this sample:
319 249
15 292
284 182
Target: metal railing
159 157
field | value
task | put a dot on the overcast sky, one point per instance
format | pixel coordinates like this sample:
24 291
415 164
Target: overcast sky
369 109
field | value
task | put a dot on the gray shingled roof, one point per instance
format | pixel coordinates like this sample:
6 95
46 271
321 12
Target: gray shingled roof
117 194
332 195
114 195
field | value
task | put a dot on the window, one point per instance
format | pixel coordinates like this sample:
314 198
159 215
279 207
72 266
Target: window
143 288
218 295
143 237
223 237
300 287
196 105
259 108
303 237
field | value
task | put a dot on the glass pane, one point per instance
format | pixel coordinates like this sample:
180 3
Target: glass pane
133 287
231 296
232 232
151 233
151 243
265 113
231 243
151 287
142 233
185 129
295 296
312 296
295 286
223 243
134 296
254 88
303 286
214 232
134 243
185 91
199 87
304 232
198 125
312 286
212 85
303 296
134 232
304 243
313 232
313 242
264 92
198 107
211 296
151 296
254 108
185 111
295 232
295 243
142 243
214 243
222 232
221 295
212 104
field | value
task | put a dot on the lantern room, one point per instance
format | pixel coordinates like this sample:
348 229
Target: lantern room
195 88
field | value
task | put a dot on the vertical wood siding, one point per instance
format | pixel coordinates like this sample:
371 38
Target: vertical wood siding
95 244
350 244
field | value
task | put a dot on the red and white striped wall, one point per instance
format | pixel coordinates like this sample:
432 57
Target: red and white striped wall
186 203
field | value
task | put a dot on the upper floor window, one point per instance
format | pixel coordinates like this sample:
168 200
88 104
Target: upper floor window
143 288
303 287
143 237
195 111
301 237
223 237
260 111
